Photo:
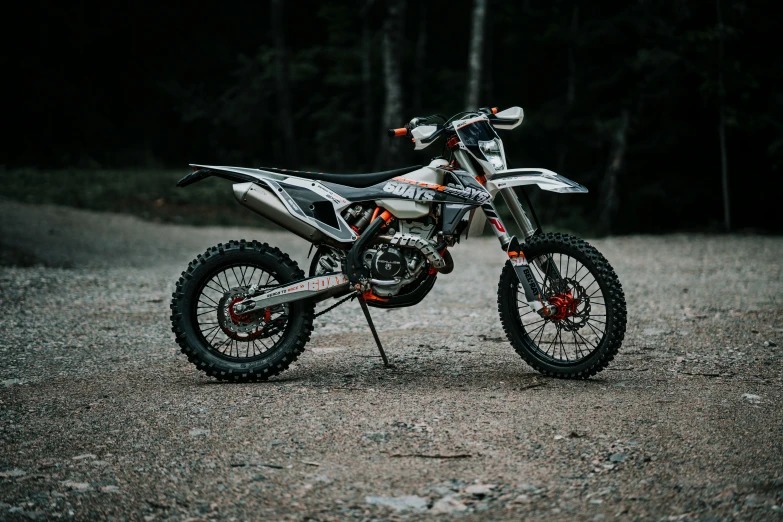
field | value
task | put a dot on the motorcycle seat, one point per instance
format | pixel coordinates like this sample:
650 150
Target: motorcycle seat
349 180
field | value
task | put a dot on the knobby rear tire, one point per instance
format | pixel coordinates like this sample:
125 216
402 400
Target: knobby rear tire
185 324
612 291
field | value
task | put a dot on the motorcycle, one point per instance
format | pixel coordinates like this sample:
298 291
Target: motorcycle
244 310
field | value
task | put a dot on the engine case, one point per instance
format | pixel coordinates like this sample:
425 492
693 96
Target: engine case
387 264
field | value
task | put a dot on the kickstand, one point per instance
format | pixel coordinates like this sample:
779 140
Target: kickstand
366 311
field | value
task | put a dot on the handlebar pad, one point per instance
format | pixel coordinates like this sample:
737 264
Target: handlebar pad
398 132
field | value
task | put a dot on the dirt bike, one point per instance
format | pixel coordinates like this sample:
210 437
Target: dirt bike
244 310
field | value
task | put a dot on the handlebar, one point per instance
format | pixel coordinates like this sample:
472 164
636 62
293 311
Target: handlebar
444 128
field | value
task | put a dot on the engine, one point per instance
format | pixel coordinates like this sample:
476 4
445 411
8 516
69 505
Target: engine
395 264
391 268
386 263
396 259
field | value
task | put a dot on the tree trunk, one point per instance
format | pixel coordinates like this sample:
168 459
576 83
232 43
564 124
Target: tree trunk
609 197
284 115
367 141
724 167
475 54
488 83
392 105
571 94
562 149
421 59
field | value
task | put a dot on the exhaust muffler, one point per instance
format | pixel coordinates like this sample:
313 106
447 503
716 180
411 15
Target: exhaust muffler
263 201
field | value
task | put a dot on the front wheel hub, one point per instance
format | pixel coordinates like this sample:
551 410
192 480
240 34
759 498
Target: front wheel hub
565 306
571 305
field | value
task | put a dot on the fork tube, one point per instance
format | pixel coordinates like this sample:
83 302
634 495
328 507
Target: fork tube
520 216
497 226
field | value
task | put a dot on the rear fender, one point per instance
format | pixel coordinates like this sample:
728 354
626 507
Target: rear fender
545 179
293 198
235 174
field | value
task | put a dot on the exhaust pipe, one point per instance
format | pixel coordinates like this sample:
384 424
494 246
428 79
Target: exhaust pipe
420 244
263 201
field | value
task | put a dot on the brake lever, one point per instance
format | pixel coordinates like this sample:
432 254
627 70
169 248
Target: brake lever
435 135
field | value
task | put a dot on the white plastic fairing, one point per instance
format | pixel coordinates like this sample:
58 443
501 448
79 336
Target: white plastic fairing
407 209
513 113
545 179
421 132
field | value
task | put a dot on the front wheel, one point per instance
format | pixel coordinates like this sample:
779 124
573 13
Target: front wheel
586 332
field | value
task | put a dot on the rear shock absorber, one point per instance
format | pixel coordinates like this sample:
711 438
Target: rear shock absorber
363 221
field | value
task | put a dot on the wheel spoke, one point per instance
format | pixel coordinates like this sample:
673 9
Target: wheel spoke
541 335
214 289
213 301
533 333
587 274
233 271
560 335
208 330
552 344
600 334
586 341
590 285
578 346
225 276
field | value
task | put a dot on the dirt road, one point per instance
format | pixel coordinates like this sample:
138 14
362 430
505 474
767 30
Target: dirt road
102 418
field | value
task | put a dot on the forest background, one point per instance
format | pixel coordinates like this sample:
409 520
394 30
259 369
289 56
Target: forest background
670 111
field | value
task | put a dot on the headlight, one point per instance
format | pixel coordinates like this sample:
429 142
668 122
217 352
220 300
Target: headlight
491 151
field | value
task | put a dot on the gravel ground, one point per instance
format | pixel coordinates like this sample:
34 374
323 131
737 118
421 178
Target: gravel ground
102 418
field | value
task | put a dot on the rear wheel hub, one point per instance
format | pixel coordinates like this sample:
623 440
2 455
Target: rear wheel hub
241 327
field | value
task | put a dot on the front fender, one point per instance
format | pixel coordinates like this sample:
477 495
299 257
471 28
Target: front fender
545 179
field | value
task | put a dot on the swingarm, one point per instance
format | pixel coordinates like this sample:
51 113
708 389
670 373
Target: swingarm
321 286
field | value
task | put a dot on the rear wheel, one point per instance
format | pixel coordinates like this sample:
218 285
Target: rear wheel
586 332
232 346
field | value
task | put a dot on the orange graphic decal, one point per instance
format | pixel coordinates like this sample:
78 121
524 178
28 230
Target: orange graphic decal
424 184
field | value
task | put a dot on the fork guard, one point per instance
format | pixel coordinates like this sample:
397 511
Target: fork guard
525 276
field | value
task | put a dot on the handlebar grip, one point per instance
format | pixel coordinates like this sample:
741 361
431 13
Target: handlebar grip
398 132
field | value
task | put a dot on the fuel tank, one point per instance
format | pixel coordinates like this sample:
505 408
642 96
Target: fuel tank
407 209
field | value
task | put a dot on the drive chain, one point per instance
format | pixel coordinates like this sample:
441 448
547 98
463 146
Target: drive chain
352 296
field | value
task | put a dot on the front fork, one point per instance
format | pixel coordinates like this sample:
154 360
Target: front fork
517 258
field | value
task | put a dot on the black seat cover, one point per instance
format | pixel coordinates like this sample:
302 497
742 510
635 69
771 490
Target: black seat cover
349 180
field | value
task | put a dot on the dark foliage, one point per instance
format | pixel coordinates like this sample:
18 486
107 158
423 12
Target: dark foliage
164 84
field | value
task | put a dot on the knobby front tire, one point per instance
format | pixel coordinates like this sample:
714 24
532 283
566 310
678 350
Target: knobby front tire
586 340
244 348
